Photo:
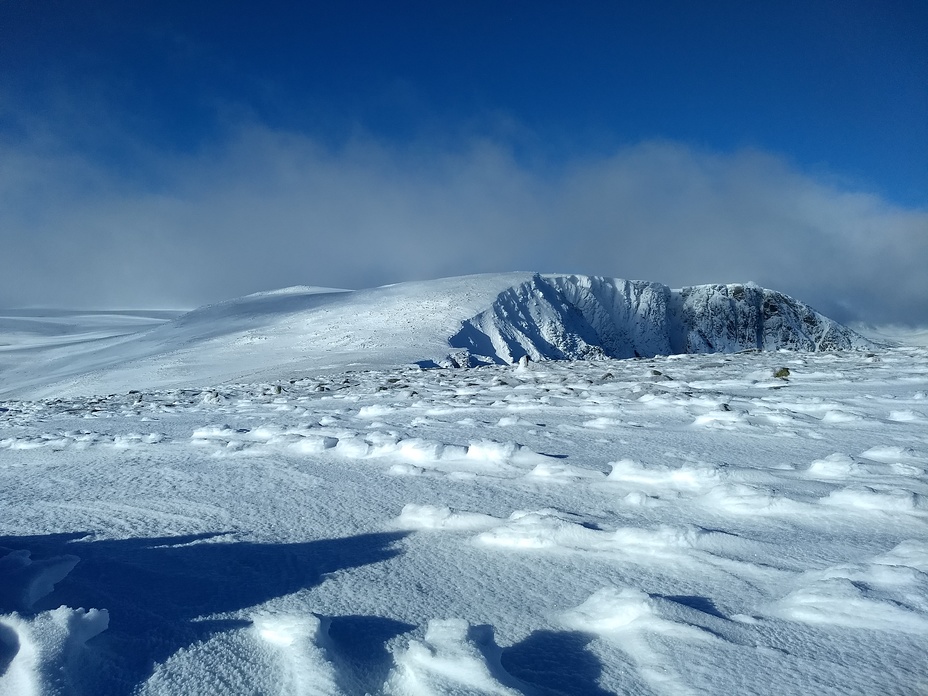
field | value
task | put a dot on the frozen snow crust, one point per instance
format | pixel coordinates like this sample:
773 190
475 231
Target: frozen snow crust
463 321
685 524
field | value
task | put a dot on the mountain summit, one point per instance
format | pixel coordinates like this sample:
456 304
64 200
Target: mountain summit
463 321
582 317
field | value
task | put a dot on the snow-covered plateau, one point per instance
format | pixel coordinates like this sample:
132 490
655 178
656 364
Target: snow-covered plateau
712 490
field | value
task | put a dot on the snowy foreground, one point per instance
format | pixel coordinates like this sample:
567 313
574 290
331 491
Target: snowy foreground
677 525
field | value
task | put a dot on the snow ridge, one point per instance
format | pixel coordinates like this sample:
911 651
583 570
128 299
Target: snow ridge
582 317
464 321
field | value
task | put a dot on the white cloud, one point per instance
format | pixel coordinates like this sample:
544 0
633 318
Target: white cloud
270 209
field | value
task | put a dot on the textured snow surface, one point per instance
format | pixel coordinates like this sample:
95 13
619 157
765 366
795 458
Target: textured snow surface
676 525
463 321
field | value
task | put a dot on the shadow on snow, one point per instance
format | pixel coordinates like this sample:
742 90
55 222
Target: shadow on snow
555 663
155 589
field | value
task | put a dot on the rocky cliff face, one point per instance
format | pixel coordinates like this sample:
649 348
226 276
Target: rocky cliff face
582 317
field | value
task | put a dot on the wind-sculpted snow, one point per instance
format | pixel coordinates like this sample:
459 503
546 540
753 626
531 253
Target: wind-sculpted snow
685 524
581 317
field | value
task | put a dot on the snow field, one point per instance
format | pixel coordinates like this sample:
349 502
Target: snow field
500 318
556 528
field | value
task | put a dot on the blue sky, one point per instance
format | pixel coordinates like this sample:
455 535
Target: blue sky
109 107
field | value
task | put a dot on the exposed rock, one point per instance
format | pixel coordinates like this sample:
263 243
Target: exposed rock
586 317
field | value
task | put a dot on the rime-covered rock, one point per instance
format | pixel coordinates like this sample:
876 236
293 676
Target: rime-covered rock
277 336
581 317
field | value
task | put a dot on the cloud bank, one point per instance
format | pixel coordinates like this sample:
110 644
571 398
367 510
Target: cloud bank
267 209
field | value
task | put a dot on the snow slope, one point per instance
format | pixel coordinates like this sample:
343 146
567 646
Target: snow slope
894 335
269 495
469 320
276 335
686 524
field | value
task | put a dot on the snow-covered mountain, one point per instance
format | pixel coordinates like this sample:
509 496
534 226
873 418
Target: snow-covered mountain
681 524
577 317
495 318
